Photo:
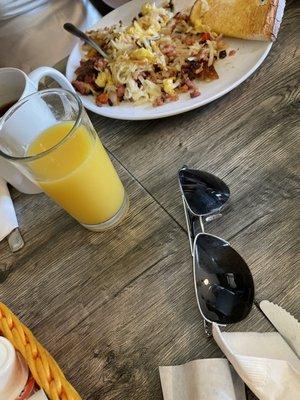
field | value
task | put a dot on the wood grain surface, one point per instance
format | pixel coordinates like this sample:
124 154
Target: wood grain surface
111 307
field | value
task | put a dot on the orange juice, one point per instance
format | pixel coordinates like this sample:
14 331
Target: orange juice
78 173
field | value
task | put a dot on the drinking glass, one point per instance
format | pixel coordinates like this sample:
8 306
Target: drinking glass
50 138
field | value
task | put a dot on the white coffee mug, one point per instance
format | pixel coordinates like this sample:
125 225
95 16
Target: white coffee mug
15 85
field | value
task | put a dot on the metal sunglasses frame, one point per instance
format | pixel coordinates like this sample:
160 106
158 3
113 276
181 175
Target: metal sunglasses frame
195 223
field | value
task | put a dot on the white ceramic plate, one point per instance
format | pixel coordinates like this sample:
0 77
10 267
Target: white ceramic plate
232 72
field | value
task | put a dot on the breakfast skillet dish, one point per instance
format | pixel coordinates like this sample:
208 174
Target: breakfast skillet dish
157 57
164 53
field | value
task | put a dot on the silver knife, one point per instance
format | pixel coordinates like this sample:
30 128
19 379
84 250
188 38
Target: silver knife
284 323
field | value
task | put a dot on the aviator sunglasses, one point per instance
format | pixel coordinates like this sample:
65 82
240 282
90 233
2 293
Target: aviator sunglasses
223 282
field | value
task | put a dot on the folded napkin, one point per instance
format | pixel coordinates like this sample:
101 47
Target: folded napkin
8 219
264 361
208 379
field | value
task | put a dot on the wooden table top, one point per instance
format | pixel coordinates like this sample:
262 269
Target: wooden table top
111 307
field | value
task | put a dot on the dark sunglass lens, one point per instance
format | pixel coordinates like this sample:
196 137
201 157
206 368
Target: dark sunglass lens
205 193
224 283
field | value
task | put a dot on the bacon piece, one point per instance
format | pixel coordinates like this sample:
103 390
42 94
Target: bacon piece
86 67
208 73
89 78
232 53
192 69
82 87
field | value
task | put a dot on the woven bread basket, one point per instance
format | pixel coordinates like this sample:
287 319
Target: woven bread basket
43 367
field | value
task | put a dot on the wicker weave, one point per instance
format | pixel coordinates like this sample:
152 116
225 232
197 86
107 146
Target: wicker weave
44 369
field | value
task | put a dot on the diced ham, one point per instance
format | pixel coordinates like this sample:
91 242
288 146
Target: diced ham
158 102
168 50
172 97
191 85
100 64
82 87
120 91
189 40
195 93
184 88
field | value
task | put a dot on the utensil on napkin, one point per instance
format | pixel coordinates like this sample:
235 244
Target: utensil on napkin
284 323
208 379
264 361
8 219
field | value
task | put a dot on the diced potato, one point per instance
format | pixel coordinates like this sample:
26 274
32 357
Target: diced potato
168 86
137 28
130 30
102 78
142 54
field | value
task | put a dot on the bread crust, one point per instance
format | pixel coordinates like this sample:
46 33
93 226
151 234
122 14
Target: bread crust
244 19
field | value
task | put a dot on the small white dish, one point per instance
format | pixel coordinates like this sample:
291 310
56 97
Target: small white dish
232 72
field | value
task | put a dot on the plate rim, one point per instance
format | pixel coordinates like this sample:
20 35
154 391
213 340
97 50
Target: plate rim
104 111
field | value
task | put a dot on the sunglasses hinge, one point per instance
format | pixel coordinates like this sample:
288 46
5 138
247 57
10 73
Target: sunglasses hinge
213 217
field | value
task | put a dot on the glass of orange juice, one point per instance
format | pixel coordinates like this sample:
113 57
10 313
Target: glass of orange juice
50 138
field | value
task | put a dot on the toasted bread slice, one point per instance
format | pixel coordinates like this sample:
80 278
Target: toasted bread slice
244 19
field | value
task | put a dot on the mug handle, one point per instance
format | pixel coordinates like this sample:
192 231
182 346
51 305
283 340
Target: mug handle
38 74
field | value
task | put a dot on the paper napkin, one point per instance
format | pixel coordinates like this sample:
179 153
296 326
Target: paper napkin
8 219
207 379
264 361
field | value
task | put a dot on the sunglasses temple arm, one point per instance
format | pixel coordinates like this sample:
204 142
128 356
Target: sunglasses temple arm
192 224
207 328
188 224
192 234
